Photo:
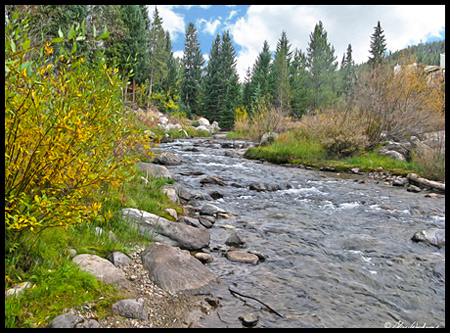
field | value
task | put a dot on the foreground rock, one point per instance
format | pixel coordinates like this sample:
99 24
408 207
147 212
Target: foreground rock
164 231
131 308
175 270
101 268
433 236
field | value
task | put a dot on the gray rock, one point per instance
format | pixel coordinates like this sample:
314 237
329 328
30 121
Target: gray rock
235 240
155 170
433 236
205 258
101 268
211 210
267 138
242 257
66 320
165 231
260 186
167 158
88 323
175 270
131 308
213 180
207 221
119 259
413 188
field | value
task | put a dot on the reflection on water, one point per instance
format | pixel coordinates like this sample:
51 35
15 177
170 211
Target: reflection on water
339 253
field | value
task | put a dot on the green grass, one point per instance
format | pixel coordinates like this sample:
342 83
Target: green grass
58 283
292 147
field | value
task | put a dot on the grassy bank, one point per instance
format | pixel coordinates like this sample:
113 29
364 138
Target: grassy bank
58 284
295 148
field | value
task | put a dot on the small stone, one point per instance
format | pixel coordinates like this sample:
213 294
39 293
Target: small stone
242 257
204 257
249 320
235 240
414 189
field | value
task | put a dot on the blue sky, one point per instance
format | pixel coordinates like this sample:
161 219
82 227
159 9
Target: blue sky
250 25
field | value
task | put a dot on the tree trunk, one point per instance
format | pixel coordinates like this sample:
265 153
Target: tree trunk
134 90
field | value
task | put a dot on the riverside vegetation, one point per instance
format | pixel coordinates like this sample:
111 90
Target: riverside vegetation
72 141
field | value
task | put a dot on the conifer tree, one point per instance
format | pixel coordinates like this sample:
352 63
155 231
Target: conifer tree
321 65
135 43
158 52
260 85
280 73
348 74
192 70
300 83
212 85
377 45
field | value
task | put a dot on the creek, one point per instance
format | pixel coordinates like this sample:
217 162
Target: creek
338 252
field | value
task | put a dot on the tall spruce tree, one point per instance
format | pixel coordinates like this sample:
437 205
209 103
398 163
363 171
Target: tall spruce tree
212 85
300 83
135 43
348 75
158 53
260 85
377 45
192 70
280 73
322 66
230 98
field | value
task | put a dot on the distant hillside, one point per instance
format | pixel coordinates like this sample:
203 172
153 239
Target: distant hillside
428 53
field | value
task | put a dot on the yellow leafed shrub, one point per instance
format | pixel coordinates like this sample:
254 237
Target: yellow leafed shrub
65 134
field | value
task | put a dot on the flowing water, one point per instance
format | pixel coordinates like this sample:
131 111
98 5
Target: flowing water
338 252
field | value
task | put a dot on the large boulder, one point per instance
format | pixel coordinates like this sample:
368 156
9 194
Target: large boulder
101 268
165 231
177 271
396 150
155 170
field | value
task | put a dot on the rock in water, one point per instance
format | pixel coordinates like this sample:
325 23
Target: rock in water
235 240
168 158
433 236
242 257
175 270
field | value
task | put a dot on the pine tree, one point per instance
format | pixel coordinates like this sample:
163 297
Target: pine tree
171 82
280 73
377 45
300 83
348 74
158 52
212 85
260 85
321 65
231 93
192 70
135 43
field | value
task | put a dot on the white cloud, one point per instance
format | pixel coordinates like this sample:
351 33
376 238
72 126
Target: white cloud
178 54
209 27
232 13
345 25
172 22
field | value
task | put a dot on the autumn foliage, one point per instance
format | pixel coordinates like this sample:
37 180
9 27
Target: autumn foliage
66 134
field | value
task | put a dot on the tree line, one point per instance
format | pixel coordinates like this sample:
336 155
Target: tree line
295 81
